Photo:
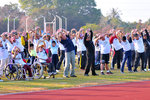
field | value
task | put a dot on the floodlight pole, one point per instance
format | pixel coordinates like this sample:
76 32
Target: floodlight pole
60 21
14 23
8 24
27 24
44 24
66 24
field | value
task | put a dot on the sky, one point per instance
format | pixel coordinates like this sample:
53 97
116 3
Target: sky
130 10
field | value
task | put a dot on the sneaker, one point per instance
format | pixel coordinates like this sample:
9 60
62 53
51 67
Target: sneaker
57 71
145 70
109 72
102 73
50 74
54 73
73 76
122 72
130 71
86 75
135 71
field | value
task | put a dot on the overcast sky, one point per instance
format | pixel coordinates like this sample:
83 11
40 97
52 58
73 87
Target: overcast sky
131 10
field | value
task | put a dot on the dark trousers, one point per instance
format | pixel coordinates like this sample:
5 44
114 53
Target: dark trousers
27 68
127 56
62 56
32 59
117 58
137 60
83 59
147 59
133 58
55 60
97 57
90 63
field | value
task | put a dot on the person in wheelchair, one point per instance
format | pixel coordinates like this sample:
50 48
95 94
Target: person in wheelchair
18 60
43 57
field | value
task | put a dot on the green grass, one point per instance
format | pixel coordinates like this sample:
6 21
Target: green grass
60 82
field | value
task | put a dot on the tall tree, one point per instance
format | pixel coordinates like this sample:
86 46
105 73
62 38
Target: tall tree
78 12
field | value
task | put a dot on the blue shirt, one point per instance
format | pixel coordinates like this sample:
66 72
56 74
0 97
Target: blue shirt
68 44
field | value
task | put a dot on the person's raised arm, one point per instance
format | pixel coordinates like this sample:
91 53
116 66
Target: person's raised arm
85 38
148 37
29 49
91 34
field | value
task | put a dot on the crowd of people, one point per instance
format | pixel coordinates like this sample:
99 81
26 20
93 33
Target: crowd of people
61 48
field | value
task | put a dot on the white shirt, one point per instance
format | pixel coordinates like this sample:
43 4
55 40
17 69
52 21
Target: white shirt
74 41
19 45
35 42
126 45
42 55
5 52
19 59
54 50
61 46
132 46
139 45
105 46
48 43
9 46
1 53
97 47
116 44
80 45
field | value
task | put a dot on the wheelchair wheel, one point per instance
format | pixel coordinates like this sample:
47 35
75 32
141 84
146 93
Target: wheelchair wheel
37 70
11 71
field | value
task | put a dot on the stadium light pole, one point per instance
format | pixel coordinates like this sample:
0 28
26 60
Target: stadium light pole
27 24
66 24
8 24
60 21
14 23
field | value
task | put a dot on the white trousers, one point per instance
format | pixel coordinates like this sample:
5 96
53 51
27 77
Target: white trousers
3 64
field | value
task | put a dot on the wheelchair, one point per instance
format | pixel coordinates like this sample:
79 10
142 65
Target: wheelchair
41 69
16 71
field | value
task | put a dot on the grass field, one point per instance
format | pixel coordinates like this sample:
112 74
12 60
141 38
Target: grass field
59 82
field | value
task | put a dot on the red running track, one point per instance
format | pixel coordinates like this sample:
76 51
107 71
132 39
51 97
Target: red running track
125 91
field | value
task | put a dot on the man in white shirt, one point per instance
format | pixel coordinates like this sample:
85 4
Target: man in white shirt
127 54
105 50
128 35
140 51
118 50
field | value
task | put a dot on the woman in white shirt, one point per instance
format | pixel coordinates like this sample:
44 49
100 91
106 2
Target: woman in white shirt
81 49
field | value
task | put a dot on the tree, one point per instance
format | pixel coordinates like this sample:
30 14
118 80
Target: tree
78 12
13 11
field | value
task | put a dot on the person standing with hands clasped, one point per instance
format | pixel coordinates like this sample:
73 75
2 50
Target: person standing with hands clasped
127 52
65 40
88 42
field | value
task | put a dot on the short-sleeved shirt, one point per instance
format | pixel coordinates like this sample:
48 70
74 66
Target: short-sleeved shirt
42 55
